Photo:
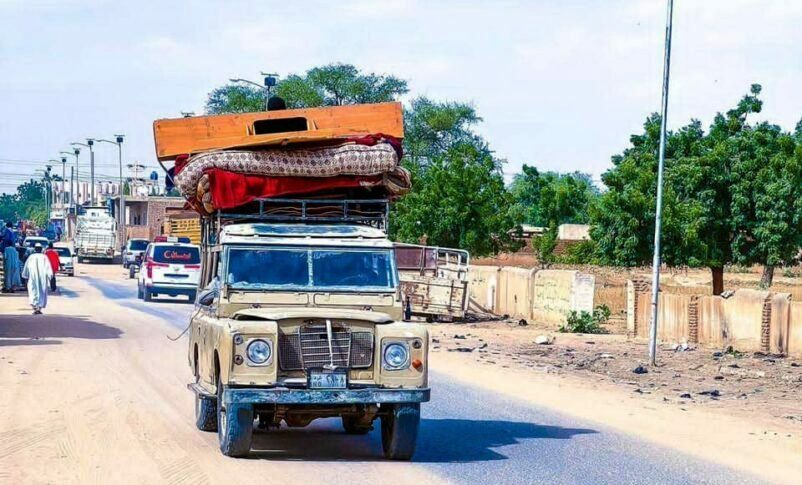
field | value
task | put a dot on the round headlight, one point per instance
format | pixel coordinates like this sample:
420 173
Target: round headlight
258 351
396 356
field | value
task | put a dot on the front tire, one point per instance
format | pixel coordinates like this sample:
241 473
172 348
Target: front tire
131 272
139 293
147 295
234 426
205 413
400 431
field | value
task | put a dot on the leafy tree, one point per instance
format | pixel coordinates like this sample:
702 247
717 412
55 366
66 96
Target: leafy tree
458 200
27 203
622 220
552 198
235 98
431 127
330 85
766 186
731 196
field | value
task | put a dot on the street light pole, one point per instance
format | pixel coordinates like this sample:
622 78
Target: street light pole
656 261
73 199
90 142
270 82
119 142
77 151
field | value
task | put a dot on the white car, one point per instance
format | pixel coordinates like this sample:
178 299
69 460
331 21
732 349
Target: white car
169 268
66 259
133 249
31 242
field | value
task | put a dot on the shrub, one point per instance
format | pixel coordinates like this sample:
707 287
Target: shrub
584 322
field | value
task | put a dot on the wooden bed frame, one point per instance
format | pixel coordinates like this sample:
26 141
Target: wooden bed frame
195 134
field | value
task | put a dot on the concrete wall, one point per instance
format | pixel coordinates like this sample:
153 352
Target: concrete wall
545 295
749 320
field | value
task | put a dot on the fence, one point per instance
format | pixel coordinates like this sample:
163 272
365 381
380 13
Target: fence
748 320
544 295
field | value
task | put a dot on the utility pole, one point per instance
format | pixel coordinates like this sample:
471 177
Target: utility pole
73 196
656 261
90 142
63 181
271 79
121 218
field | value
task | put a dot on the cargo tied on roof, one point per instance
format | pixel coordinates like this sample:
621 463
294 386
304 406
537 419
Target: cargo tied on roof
229 161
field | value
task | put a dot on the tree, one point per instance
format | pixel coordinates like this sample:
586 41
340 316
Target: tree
235 98
431 127
552 198
730 196
766 186
330 85
622 220
27 203
458 200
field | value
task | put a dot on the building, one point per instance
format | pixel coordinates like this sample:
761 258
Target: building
144 216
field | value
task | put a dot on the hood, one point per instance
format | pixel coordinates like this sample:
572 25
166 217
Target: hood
276 314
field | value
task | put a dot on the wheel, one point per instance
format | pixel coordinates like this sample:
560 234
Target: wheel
205 413
234 426
351 425
125 265
131 272
71 274
400 431
147 295
192 295
139 293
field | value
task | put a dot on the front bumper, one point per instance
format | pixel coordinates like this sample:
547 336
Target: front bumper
283 395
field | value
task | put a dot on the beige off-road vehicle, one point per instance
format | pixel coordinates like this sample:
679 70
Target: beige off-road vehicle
300 316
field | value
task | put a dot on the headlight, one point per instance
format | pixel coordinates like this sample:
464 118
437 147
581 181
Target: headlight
258 352
396 356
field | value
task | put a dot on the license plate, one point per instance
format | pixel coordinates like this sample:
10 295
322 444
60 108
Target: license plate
327 379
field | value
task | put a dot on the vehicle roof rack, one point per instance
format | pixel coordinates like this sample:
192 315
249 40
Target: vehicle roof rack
370 212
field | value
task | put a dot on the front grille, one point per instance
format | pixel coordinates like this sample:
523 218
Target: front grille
315 345
309 347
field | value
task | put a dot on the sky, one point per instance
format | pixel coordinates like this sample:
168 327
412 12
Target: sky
560 84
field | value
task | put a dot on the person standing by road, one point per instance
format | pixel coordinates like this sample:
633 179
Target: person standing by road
9 236
55 264
38 272
11 261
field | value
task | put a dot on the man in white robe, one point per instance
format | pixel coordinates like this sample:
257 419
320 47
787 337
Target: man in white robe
38 272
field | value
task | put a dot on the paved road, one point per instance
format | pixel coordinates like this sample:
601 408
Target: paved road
468 434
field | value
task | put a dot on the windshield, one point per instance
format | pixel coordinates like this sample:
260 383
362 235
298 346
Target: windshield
63 252
176 255
137 245
311 269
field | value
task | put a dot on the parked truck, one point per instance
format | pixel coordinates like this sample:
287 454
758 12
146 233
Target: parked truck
95 235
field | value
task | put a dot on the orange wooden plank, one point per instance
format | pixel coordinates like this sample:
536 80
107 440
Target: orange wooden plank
201 133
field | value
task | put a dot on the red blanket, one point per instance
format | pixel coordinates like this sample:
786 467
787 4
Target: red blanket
230 189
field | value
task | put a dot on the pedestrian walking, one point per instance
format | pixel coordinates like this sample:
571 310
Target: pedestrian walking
55 264
37 271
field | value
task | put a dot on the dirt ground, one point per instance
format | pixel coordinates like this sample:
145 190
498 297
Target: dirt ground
761 387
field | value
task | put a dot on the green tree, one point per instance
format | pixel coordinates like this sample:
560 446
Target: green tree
458 200
551 198
431 127
622 220
235 98
27 203
730 196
